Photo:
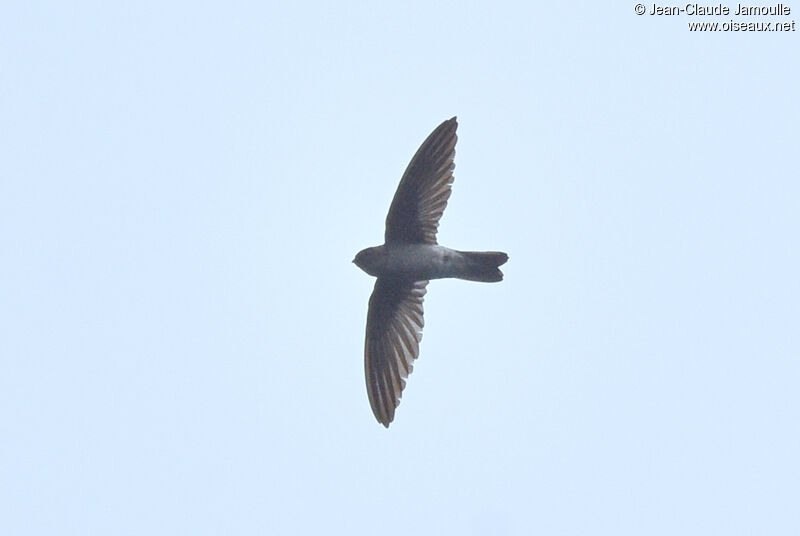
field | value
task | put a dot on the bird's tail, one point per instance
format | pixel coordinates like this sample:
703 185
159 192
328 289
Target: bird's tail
483 266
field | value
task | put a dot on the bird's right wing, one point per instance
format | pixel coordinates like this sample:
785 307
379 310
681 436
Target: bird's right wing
394 331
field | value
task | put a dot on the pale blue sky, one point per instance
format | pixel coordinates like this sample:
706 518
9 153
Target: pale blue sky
183 186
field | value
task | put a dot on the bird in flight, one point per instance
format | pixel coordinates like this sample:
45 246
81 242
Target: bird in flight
404 264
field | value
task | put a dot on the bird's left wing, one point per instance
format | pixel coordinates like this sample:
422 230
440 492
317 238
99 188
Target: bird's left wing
424 189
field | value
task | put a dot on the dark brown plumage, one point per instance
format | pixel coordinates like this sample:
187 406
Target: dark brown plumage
404 264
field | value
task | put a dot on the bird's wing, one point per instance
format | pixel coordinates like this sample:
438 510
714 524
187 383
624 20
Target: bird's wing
394 330
424 189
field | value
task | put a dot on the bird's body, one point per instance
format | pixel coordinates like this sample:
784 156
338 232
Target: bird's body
430 261
404 264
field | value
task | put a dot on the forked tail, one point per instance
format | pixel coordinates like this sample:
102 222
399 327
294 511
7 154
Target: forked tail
483 266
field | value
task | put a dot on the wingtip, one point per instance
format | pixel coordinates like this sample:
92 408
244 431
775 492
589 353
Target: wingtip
449 125
384 420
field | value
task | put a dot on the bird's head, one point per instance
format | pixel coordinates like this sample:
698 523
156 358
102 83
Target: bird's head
369 259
